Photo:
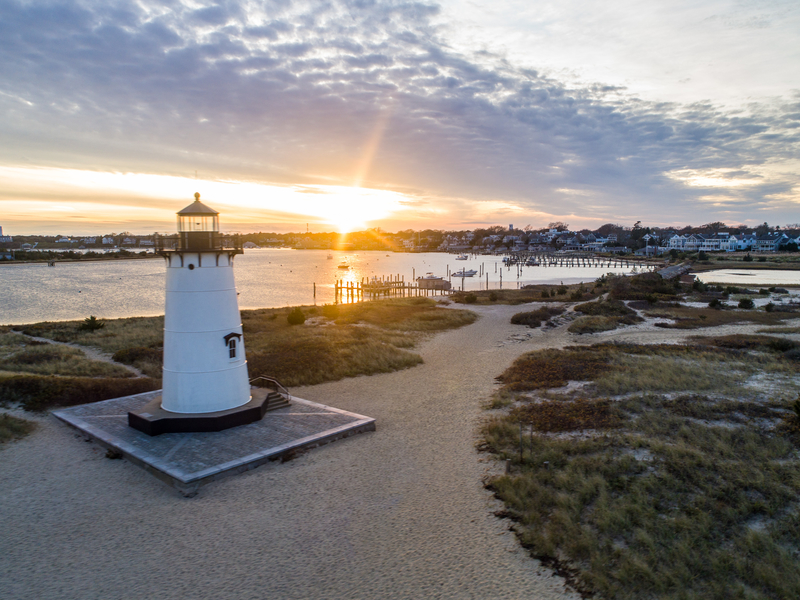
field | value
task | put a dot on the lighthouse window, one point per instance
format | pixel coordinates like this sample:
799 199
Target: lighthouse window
231 342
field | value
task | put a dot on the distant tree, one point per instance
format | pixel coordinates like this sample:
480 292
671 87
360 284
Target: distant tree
559 225
714 227
762 229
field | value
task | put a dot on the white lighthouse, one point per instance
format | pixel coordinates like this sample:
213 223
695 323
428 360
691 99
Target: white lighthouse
204 362
205 380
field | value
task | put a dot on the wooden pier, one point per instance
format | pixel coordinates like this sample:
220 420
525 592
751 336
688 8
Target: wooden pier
549 259
393 286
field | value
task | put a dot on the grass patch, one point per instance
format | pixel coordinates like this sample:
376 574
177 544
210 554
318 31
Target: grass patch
355 339
555 368
148 360
13 428
534 318
656 494
687 317
583 325
52 359
532 293
38 393
339 341
555 416
117 334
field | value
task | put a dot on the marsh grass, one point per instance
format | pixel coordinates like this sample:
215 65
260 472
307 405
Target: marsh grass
656 494
532 293
12 428
687 317
583 325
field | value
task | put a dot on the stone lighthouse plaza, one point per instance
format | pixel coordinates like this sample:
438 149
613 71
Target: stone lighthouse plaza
208 420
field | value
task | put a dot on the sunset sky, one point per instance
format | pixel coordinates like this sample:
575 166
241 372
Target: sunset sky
351 114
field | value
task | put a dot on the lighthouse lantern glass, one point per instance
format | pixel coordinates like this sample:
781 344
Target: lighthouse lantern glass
187 223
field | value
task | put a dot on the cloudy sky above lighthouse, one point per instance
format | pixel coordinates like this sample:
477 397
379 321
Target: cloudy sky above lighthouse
350 114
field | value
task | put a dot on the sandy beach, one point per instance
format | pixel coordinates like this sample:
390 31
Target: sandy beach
399 513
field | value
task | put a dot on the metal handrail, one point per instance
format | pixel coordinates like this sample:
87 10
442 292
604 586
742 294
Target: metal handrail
273 384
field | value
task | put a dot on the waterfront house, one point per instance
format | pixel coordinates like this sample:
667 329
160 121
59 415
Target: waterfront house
769 242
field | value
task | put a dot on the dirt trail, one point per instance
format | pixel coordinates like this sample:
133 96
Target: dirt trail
91 353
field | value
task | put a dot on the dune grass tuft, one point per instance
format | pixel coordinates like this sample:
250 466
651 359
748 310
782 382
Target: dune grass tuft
12 428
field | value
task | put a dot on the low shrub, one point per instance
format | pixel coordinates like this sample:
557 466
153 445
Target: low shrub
769 307
493 296
470 298
296 316
746 303
534 318
36 393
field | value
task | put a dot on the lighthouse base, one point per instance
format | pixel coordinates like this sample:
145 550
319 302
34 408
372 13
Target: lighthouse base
154 420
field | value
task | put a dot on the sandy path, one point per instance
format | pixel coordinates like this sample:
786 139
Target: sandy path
399 513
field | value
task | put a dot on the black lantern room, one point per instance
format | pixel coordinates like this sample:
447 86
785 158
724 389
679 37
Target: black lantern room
198 227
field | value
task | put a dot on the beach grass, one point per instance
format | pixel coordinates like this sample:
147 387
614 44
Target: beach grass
687 317
13 428
333 342
52 359
667 475
354 339
532 293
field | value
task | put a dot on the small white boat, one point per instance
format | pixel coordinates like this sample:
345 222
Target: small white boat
464 273
462 257
330 256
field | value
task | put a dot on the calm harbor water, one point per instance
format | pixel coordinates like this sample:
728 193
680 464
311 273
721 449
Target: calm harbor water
265 278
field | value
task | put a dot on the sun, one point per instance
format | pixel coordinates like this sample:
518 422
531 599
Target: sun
352 208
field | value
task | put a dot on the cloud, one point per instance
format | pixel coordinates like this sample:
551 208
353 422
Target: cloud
308 93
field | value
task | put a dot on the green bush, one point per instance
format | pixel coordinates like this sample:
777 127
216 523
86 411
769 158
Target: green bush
493 296
769 307
746 303
545 294
747 258
470 298
91 324
296 316
716 303
762 259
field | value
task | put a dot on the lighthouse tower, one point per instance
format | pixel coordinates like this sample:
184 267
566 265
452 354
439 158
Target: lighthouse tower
204 362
